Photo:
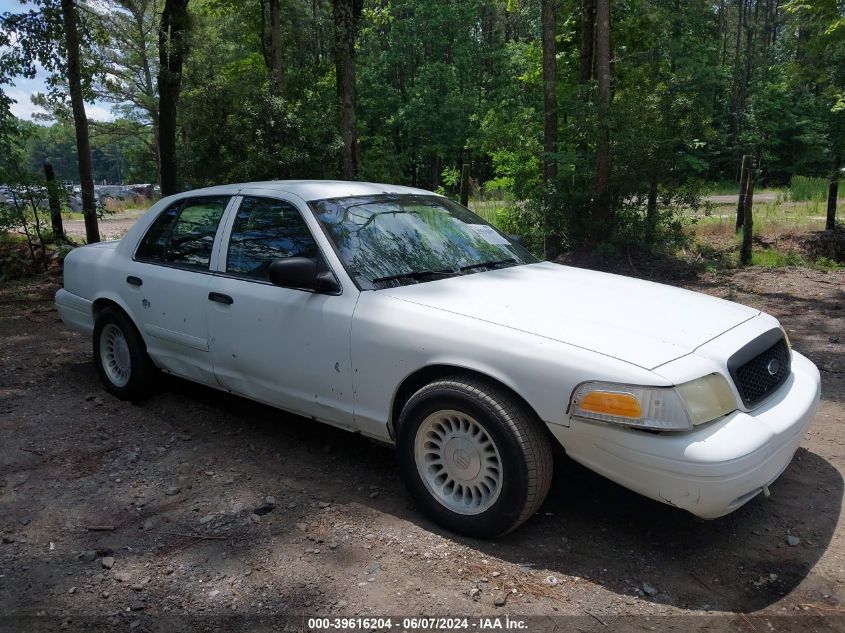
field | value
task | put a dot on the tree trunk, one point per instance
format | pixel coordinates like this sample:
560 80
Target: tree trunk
55 203
832 194
435 172
138 16
750 32
588 31
651 210
276 50
774 23
346 14
549 89
172 46
743 186
767 27
262 35
80 121
747 220
601 210
735 88
550 124
465 185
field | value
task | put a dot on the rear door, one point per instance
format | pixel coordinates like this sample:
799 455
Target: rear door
282 346
169 283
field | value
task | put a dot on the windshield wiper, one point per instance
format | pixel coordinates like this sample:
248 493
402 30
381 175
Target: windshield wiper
416 274
497 262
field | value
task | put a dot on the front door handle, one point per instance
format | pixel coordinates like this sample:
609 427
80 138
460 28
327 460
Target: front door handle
134 281
220 298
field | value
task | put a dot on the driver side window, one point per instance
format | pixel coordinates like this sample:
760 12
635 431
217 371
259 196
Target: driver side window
265 230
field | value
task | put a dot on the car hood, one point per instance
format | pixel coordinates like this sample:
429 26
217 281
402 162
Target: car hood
640 322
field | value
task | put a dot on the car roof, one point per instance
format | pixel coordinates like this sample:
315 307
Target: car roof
312 189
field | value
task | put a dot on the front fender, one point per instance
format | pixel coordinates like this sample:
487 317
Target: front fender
393 339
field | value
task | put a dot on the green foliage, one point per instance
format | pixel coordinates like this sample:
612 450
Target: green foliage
237 128
825 263
771 258
24 211
442 83
34 38
803 188
120 151
451 177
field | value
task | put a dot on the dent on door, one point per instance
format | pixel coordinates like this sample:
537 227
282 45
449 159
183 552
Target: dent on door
284 347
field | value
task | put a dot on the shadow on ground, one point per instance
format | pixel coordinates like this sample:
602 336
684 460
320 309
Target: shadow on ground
591 528
594 529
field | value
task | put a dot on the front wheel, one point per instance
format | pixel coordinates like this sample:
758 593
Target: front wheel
123 364
474 458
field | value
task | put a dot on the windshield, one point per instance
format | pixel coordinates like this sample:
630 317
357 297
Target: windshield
393 240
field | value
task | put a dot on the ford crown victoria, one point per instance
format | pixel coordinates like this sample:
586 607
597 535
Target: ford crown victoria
398 314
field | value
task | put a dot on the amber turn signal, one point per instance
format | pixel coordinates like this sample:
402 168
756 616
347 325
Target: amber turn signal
610 403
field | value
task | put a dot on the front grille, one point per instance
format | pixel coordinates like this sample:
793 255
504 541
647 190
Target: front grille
758 377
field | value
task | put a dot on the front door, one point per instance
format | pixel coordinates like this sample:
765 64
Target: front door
282 346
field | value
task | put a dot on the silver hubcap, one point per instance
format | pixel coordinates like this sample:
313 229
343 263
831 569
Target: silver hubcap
114 354
458 462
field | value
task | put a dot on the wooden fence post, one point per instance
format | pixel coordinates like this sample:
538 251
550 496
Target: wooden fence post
832 194
743 185
55 203
747 218
465 185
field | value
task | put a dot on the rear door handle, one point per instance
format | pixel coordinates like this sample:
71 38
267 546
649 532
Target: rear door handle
134 281
220 298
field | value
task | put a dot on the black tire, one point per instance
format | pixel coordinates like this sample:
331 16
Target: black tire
521 440
142 370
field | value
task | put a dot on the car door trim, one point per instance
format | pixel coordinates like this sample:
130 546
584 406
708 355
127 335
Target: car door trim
178 338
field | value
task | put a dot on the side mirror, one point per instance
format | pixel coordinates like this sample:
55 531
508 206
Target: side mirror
301 272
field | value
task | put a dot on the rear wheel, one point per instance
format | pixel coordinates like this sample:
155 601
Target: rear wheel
474 458
123 364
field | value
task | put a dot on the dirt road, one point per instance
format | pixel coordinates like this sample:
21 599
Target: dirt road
200 511
112 227
733 198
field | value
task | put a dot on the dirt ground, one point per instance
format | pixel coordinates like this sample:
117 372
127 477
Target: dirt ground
112 226
197 510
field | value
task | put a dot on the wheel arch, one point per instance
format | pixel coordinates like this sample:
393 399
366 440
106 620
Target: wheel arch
414 381
111 302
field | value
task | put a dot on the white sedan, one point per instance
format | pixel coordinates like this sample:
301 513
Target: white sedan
399 314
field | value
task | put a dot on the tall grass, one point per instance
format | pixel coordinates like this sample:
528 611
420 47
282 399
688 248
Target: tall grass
130 203
771 258
490 210
803 188
722 188
770 218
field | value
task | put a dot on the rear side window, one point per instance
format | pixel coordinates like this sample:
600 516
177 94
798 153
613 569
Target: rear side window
183 235
265 230
154 244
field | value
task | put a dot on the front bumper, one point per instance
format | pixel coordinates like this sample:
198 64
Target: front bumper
713 469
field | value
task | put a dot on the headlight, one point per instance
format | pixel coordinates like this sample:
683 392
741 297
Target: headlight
659 408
